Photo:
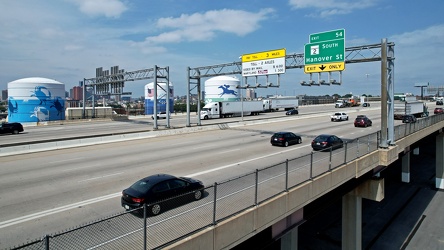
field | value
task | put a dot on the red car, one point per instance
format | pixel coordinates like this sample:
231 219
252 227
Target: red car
362 121
438 111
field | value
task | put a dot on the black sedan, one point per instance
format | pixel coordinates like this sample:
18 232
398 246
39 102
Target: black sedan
285 139
11 128
292 112
323 142
408 119
161 192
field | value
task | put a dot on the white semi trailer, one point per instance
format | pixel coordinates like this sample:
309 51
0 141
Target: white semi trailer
276 104
229 109
416 108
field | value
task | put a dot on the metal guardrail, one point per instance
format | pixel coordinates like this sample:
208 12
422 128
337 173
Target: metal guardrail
135 230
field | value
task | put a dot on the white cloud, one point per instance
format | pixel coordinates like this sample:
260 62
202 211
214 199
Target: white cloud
204 26
417 55
108 8
426 37
325 8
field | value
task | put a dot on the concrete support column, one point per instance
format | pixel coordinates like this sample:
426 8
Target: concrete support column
289 241
405 175
372 189
351 222
440 161
287 230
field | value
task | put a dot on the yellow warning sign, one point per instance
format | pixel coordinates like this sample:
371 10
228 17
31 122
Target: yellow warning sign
326 67
264 55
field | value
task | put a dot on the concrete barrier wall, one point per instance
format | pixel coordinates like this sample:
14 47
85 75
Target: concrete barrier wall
61 144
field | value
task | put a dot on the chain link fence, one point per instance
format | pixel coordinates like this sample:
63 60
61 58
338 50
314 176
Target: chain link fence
136 230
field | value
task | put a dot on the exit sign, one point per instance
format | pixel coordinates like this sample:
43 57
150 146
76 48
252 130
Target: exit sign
325 52
327 36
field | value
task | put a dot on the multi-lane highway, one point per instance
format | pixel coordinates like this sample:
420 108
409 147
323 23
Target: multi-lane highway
47 192
75 129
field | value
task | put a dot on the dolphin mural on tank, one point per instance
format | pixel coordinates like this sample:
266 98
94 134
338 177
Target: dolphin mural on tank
40 94
57 105
41 113
11 108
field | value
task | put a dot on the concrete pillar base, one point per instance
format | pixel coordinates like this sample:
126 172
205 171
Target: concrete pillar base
440 183
372 189
405 177
290 240
439 161
405 174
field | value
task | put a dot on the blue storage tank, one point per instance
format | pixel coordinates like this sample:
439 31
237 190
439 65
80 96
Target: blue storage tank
161 97
36 99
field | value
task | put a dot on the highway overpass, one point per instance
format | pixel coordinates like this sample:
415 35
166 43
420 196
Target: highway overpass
284 212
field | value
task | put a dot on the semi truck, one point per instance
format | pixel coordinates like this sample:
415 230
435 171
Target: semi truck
230 108
349 102
276 104
341 103
416 108
354 101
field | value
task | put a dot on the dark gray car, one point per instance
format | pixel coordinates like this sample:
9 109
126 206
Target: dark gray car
285 139
408 119
11 128
161 192
324 142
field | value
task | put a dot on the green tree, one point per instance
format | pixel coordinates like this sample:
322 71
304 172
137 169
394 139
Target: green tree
3 107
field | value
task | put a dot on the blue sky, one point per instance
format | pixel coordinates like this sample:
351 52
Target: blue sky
67 40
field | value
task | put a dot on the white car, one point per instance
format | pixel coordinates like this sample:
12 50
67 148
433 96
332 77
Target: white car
339 116
161 115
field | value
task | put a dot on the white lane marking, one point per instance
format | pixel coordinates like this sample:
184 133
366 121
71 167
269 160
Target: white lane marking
89 166
29 217
181 143
237 163
73 159
227 151
194 148
100 177
38 215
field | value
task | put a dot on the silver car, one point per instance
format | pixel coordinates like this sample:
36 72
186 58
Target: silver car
161 115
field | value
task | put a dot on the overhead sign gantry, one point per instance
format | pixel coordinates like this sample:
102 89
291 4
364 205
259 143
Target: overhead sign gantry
383 52
114 83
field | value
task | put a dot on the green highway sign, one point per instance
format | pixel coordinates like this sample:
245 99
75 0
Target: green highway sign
327 36
324 52
325 48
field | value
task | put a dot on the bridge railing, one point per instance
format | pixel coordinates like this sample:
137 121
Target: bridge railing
222 200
